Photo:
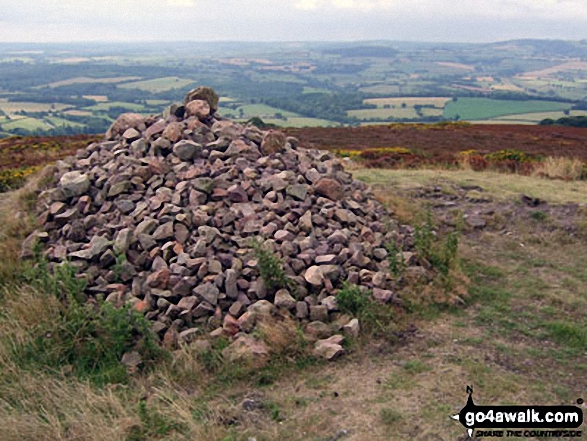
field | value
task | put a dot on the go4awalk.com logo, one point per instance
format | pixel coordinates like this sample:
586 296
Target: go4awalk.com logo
520 421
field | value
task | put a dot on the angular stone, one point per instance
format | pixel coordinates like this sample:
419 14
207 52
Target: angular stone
302 310
186 150
198 108
96 247
208 292
329 188
319 313
382 295
313 276
262 308
173 132
247 349
352 328
206 94
273 142
330 348
131 135
205 185
164 231
298 192
283 299
74 183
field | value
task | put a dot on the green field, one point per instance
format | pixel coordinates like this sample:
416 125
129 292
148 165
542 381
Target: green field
485 108
82 80
13 107
409 101
379 114
261 110
301 122
26 124
382 89
158 84
60 122
106 106
537 117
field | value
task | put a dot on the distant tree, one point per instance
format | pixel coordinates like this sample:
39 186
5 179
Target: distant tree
404 105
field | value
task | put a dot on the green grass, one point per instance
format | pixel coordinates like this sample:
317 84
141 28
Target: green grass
62 122
301 122
106 106
485 108
158 84
307 90
26 124
408 112
12 107
539 116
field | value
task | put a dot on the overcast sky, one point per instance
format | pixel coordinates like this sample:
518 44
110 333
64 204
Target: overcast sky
291 20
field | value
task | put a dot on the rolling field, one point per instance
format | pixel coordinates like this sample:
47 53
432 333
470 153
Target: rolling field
383 89
409 101
299 122
379 114
537 117
81 80
483 108
11 107
106 106
158 84
26 124
59 122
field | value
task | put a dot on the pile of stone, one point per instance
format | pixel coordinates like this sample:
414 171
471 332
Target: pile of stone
161 215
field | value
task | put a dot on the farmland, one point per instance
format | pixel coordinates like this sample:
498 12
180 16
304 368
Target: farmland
470 109
292 85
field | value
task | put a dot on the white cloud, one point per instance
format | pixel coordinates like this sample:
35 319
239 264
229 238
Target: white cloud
181 3
453 20
306 5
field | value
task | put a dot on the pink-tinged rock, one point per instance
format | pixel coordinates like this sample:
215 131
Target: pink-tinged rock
205 94
283 299
326 259
236 193
352 328
248 349
170 339
314 276
173 132
159 279
329 188
188 303
155 129
230 325
330 348
262 307
283 235
247 321
273 142
141 306
198 108
382 295
124 122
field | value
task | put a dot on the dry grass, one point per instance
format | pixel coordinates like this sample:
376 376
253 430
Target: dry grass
501 186
567 169
17 221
